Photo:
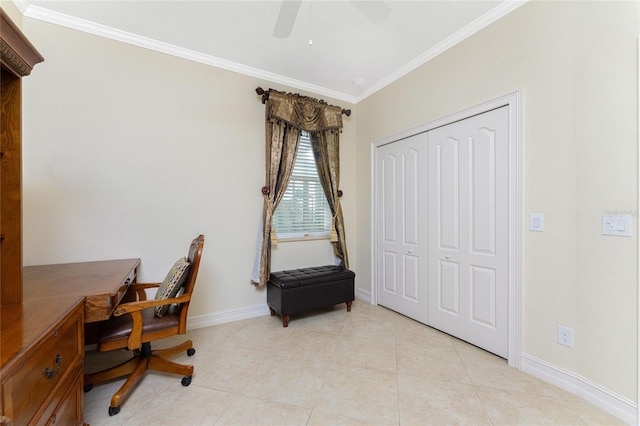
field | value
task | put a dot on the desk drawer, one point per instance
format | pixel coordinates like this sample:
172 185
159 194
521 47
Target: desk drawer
58 355
65 408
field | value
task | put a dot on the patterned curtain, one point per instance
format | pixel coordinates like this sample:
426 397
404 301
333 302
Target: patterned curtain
326 150
281 147
286 116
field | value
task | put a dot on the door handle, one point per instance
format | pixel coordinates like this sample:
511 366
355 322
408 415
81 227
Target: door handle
447 257
410 251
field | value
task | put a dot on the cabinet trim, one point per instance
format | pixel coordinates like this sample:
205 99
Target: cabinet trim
17 53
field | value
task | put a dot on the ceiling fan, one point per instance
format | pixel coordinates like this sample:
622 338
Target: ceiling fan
375 11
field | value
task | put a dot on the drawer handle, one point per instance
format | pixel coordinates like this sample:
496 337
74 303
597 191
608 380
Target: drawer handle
49 373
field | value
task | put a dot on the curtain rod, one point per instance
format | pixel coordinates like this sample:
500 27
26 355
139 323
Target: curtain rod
265 96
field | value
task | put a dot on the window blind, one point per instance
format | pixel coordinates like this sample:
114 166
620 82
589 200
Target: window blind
304 208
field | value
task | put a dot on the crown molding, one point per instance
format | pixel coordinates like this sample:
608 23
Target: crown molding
22 6
42 14
476 25
46 15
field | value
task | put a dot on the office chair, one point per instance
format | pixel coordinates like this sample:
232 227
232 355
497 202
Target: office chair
134 325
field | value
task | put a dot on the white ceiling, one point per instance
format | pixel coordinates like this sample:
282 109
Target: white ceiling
351 56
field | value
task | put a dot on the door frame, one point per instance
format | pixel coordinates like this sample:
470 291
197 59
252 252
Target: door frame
513 101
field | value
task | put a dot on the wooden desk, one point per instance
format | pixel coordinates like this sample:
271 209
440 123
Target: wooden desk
42 362
42 339
103 283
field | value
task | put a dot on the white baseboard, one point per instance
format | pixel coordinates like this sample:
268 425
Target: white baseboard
363 295
227 316
616 405
246 313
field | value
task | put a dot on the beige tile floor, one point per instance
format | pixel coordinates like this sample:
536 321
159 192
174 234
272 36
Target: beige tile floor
370 366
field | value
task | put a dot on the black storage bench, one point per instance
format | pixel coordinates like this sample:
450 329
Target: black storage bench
302 290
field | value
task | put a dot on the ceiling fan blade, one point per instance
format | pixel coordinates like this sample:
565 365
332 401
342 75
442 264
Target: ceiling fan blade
375 11
286 18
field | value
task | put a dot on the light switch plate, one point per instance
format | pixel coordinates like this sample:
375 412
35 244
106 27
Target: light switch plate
616 224
536 222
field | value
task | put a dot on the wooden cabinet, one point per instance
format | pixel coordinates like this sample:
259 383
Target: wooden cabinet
17 58
42 361
10 190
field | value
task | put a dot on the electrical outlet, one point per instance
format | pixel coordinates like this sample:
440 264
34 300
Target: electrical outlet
565 336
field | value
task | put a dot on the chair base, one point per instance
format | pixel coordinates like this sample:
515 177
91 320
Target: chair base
143 360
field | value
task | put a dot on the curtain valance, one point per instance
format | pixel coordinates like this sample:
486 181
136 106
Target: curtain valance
302 112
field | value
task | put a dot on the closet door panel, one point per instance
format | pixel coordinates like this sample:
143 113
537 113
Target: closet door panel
400 228
446 184
483 191
469 198
445 231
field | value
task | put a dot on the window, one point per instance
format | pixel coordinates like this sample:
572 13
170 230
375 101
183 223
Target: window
303 212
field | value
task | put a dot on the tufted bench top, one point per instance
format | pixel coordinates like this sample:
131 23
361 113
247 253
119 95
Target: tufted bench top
309 276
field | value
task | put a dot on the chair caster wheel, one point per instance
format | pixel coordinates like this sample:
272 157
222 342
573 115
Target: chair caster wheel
114 410
191 351
186 381
87 388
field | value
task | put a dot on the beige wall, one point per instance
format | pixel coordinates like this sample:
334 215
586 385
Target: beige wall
577 65
10 8
131 153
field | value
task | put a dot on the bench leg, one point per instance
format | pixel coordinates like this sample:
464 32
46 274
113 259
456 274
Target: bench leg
349 306
285 319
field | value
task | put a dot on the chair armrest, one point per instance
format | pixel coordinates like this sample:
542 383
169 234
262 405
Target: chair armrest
127 308
139 289
144 285
135 310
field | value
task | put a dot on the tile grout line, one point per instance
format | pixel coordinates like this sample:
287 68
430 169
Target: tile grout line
475 387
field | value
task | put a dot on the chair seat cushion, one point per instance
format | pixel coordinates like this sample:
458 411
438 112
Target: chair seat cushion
117 328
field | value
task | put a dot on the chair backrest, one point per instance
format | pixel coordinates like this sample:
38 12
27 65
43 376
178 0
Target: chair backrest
194 255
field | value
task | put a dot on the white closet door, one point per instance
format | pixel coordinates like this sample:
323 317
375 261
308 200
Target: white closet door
401 185
468 230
